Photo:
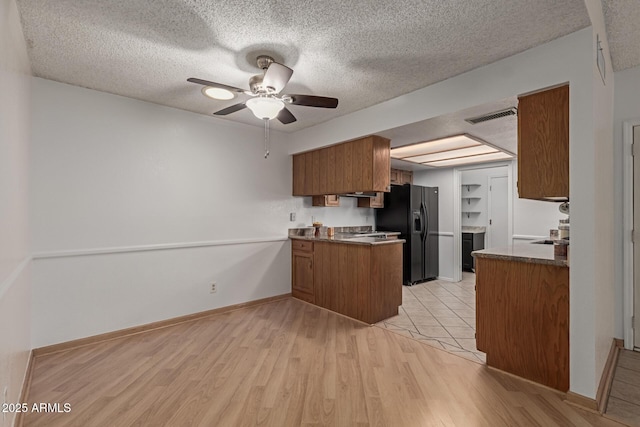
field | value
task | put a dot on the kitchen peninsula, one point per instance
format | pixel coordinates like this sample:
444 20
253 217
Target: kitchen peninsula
352 272
522 312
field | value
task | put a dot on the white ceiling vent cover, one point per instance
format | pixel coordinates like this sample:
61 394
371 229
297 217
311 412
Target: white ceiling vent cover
513 111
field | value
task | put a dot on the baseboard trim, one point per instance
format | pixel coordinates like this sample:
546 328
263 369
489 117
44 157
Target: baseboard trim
604 388
583 402
599 404
56 348
26 387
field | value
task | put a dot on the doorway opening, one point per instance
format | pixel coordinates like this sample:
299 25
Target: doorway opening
631 253
483 200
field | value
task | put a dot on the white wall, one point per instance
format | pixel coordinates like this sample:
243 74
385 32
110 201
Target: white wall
600 196
626 108
566 59
137 208
532 219
15 313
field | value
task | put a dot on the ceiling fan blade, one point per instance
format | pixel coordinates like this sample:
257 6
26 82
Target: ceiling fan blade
214 84
277 76
285 117
232 109
314 101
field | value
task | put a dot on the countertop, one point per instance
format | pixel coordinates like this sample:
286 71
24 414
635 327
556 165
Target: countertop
529 252
349 239
471 229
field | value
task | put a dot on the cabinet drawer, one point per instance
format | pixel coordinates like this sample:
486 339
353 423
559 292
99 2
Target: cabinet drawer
302 245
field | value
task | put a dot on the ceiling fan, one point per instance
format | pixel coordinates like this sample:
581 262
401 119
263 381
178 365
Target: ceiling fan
266 103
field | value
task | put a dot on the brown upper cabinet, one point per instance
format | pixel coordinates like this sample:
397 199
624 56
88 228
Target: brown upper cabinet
401 177
353 166
543 145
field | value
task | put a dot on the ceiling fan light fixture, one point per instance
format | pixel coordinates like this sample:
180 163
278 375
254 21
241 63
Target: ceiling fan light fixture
217 93
265 108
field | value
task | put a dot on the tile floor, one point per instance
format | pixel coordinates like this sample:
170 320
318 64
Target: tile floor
624 399
442 314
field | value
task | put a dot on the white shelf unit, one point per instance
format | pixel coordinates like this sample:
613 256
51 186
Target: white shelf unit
469 199
469 213
469 187
468 195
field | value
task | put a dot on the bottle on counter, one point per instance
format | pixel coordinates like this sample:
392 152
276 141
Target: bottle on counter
563 229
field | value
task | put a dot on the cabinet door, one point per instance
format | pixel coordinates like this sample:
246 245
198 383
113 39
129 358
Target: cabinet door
467 259
308 173
478 241
407 177
396 176
298 174
380 164
315 161
372 202
332 200
326 201
323 171
302 275
543 144
347 171
401 177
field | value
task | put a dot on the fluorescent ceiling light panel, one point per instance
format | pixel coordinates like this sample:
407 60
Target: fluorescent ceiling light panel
450 151
453 154
443 144
471 159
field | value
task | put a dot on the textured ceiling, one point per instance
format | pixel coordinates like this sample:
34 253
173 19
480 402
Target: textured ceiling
362 52
622 19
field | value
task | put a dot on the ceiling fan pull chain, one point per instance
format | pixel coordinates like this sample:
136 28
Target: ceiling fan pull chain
266 138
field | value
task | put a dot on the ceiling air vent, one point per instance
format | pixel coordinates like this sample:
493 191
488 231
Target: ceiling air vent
491 116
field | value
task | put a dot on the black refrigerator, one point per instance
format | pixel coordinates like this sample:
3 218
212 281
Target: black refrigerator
413 211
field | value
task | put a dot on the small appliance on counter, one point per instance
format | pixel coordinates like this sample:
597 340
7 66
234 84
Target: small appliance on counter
317 226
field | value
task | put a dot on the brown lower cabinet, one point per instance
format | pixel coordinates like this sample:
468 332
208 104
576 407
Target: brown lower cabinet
360 281
302 270
522 319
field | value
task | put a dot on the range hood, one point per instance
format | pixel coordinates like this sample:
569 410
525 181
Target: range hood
360 194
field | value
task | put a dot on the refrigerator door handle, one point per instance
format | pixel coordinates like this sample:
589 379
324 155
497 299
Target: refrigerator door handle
425 221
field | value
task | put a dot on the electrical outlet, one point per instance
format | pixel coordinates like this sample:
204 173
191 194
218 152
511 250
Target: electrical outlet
292 216
214 288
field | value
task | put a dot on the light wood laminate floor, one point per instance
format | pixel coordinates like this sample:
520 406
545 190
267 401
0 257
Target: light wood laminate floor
624 399
284 363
